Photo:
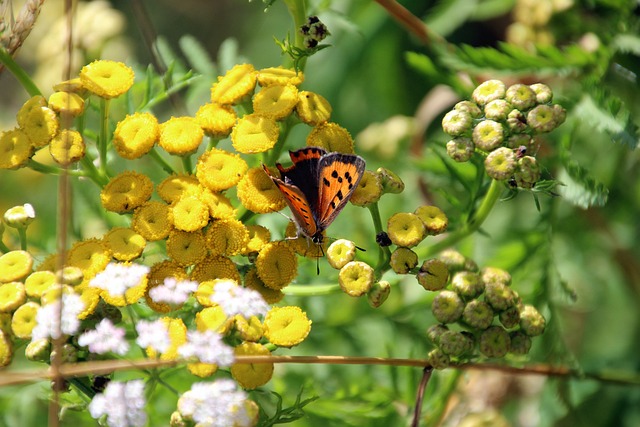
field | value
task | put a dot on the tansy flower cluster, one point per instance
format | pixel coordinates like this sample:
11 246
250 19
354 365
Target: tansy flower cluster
501 124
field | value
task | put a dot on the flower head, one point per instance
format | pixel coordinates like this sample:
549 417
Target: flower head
186 248
390 181
19 216
126 191
121 284
456 123
277 265
215 267
488 135
460 149
434 220
250 375
369 190
255 133
157 275
91 256
122 403
286 326
236 300
258 193
403 260
107 79
214 319
521 96
279 76
37 283
469 107
378 293
124 243
447 307
543 93
497 110
248 329
12 296
356 278
219 170
488 91
341 252
176 185
135 135
6 349
189 213
216 120
15 149
220 206
313 109
207 346
542 119
252 281
24 320
67 147
40 124
67 103
151 220
275 102
180 135
236 84
58 317
177 336
153 335
227 237
501 163
105 338
172 291
405 229
433 275
15 265
331 137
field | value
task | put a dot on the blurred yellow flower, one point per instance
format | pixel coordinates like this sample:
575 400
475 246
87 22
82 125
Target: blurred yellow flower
286 326
126 191
331 137
91 256
313 109
156 276
213 318
106 79
279 76
252 281
177 335
66 102
151 220
12 296
249 375
248 329
24 320
258 193
15 149
15 266
6 349
38 282
258 237
40 125
135 135
67 147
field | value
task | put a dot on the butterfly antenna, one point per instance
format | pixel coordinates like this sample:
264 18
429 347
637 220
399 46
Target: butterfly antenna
357 247
318 260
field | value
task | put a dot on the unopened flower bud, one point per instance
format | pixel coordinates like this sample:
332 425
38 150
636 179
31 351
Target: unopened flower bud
19 216
453 259
340 253
378 293
403 260
497 110
405 229
499 296
454 343
510 318
528 172
356 278
532 322
488 135
560 114
434 220
438 359
38 350
495 275
521 96
544 95
501 163
495 342
391 182
69 354
433 275
518 140
435 332
467 284
488 91
542 119
368 191
177 420
516 121
478 314
468 107
460 149
456 123
520 343
447 307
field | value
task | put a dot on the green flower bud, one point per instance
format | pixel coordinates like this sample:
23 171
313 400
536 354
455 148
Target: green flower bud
519 140
497 110
478 314
340 253
495 275
391 183
488 135
433 275
403 260
454 343
434 220
19 216
456 123
520 343
510 318
499 296
544 95
488 91
521 96
495 342
69 354
378 293
467 284
447 307
356 278
438 359
501 163
468 107
532 322
38 350
471 342
560 114
516 121
435 332
542 119
470 265
528 172
460 149
453 259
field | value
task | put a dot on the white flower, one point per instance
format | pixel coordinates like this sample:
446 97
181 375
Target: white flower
236 300
104 338
215 404
53 319
173 291
153 335
117 278
208 347
122 402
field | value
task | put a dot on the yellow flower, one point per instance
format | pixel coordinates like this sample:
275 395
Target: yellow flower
237 83
248 330
219 170
341 252
131 295
124 243
67 147
15 149
180 135
279 76
38 282
151 220
286 326
40 125
303 246
201 369
435 221
204 292
186 248
135 135
378 293
5 323
126 191
54 294
177 336
66 102
255 134
213 318
405 229
6 350
356 278
215 267
12 296
249 375
90 297
331 137
72 276
275 102
258 193
73 85
227 237
15 265
403 260
258 237
190 213
32 103
174 186
252 281
368 191
24 320
219 205
391 182
313 109
156 276
91 256
216 120
107 79
277 265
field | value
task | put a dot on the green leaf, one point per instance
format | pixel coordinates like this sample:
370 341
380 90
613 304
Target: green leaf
626 43
488 9
448 15
422 63
197 56
609 115
228 55
581 189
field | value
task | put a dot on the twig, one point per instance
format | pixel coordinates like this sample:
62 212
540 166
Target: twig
406 19
426 375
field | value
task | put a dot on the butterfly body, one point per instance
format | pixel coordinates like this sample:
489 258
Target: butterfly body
317 187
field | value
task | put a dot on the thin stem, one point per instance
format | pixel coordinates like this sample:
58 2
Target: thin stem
53 170
186 164
298 11
426 375
311 290
21 75
22 232
104 132
384 254
3 247
161 161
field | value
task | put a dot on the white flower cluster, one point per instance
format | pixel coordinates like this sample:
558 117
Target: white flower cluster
216 404
123 404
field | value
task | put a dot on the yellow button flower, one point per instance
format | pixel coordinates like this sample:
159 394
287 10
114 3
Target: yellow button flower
405 229
252 281
279 76
248 330
12 296
219 205
313 109
255 134
126 191
368 191
135 135
38 282
54 294
249 375
205 290
107 79
403 260
156 276
186 248
286 326
213 318
15 149
303 246
227 237
275 102
220 170
237 83
215 267
356 278
15 265
72 85
151 221
66 102
24 320
180 135
331 137
32 103
176 185
131 295
90 297
124 243
258 193
91 256
40 125
277 265
201 369
258 237
216 120
177 335
189 213
434 219
340 253
6 349
5 323
67 147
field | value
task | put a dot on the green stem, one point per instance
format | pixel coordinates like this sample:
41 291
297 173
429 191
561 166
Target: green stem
3 247
22 232
104 134
19 73
311 290
285 130
298 11
246 216
384 254
53 170
186 164
161 161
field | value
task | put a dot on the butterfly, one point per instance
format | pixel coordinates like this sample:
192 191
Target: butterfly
317 187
